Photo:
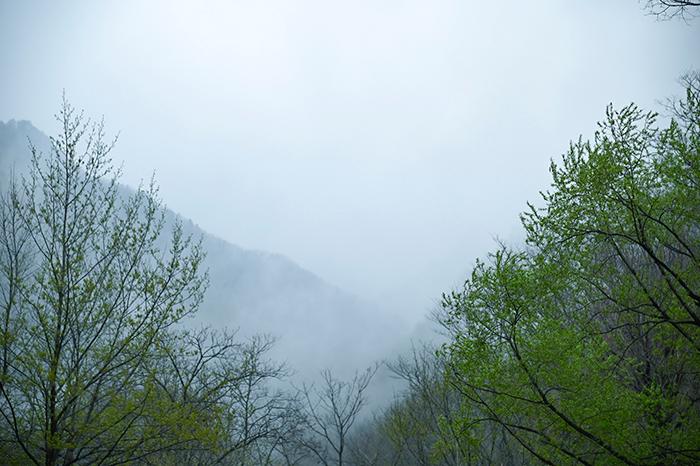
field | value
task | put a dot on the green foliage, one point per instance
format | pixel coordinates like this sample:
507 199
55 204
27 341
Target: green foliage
95 365
87 295
585 346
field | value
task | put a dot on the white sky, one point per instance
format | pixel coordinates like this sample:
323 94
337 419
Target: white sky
381 144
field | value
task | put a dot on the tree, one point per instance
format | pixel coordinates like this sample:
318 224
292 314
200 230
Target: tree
14 266
225 383
585 346
421 424
673 8
331 411
88 296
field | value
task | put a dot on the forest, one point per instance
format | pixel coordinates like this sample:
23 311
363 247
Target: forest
578 345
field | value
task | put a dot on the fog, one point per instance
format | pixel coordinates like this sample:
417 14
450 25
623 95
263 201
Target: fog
381 145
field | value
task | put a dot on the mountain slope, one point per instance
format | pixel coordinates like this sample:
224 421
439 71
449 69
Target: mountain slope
317 324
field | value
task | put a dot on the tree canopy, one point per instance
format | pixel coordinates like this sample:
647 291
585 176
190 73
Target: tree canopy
585 345
582 345
95 366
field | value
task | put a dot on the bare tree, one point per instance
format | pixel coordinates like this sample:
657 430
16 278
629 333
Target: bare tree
667 9
227 383
331 411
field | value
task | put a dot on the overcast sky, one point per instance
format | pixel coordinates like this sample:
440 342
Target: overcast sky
381 144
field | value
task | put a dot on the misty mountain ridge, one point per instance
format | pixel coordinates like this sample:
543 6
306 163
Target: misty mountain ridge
317 325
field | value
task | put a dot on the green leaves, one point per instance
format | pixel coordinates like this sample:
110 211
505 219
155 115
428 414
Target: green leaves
97 292
585 347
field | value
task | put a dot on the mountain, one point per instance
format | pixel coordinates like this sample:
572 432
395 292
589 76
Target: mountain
317 325
14 147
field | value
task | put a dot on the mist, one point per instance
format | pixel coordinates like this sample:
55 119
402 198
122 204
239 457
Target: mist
381 145
344 163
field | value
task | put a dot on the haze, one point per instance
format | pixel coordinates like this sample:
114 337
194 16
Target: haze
381 145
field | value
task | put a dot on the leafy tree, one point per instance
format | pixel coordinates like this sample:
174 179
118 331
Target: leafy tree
584 347
87 299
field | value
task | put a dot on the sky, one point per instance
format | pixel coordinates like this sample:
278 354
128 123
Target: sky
383 145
